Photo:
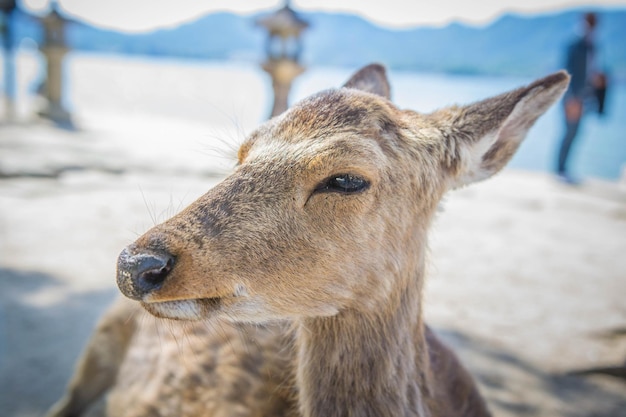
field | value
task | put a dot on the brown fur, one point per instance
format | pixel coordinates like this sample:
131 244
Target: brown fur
344 270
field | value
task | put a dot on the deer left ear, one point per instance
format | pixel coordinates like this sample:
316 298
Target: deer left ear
482 137
372 79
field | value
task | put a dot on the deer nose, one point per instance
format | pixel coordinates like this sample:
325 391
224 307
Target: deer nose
142 273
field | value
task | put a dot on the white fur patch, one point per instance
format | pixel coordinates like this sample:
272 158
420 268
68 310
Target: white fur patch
181 310
472 157
240 291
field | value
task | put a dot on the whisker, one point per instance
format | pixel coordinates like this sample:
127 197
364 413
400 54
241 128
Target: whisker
150 211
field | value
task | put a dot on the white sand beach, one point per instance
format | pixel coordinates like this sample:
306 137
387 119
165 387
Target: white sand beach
526 282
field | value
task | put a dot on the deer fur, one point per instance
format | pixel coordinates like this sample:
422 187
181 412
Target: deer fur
297 295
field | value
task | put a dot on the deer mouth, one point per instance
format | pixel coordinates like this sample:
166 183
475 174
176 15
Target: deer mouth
194 309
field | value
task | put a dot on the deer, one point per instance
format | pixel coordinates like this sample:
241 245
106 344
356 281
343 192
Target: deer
294 286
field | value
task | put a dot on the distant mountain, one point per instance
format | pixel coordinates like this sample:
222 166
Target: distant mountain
511 45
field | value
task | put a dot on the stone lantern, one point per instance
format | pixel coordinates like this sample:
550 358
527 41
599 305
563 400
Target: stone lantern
7 8
283 50
54 49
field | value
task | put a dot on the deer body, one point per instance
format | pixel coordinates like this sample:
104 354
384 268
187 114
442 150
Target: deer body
320 235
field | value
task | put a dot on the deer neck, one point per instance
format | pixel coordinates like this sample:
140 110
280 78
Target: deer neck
366 363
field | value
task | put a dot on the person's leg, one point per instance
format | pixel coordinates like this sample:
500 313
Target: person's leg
571 129
573 114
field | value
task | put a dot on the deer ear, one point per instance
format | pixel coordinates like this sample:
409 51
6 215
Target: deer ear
372 79
482 137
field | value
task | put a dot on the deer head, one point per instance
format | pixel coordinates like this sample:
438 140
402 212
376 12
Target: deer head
328 206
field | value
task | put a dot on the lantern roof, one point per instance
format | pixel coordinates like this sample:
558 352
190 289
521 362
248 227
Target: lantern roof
284 22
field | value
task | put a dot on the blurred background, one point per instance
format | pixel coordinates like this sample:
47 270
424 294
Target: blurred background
135 58
116 114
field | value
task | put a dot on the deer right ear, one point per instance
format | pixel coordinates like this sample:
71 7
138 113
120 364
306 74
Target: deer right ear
372 79
479 139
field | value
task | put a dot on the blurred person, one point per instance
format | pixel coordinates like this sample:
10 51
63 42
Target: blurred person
587 87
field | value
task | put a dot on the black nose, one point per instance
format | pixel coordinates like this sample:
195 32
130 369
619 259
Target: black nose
142 273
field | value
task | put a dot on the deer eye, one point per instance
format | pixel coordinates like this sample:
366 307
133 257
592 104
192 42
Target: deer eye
343 183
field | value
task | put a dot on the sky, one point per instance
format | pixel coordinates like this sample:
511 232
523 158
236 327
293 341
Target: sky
145 15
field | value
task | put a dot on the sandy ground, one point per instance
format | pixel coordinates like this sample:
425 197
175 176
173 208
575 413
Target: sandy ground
526 278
